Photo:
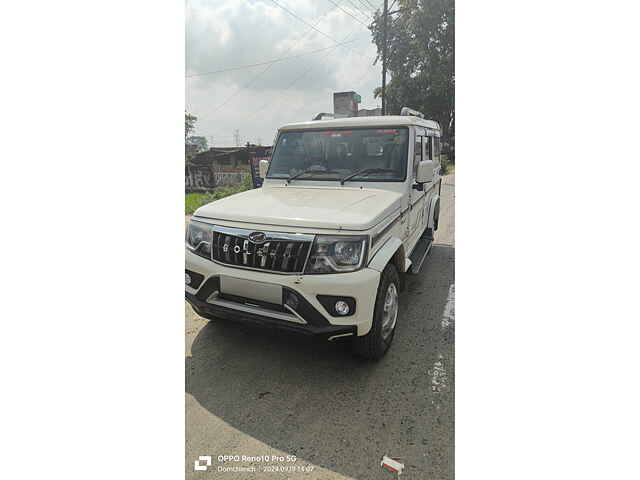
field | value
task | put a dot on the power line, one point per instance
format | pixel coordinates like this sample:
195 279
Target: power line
371 4
367 6
265 63
359 9
357 82
269 65
304 74
258 75
305 22
352 16
354 7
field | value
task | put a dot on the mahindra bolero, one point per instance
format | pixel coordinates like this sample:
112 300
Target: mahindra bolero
347 208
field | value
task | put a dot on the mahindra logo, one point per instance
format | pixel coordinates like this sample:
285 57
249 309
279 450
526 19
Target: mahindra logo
258 237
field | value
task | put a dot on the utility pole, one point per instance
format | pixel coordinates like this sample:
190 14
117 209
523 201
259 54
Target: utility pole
385 14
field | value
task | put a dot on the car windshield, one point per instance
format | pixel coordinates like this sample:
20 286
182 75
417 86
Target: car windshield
380 153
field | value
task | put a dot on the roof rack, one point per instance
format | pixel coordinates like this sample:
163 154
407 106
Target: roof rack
406 111
324 116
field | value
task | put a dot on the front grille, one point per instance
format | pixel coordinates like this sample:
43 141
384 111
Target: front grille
286 253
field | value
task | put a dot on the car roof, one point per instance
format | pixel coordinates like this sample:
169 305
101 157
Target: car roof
373 121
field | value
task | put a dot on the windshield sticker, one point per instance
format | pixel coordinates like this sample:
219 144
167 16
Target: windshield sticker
337 133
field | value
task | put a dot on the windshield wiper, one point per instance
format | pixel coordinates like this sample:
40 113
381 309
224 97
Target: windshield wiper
310 170
365 170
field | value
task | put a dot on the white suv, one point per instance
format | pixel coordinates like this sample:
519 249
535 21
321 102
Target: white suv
347 207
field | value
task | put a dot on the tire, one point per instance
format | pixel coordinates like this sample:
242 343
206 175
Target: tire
375 344
436 216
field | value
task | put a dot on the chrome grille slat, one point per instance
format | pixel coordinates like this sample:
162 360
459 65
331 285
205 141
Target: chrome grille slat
254 254
237 255
282 252
214 244
286 256
274 256
264 258
299 255
220 242
295 256
245 251
227 243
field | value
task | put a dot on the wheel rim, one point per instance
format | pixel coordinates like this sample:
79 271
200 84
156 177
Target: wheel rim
389 311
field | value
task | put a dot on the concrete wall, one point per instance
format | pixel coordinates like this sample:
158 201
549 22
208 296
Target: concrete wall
198 178
220 166
345 104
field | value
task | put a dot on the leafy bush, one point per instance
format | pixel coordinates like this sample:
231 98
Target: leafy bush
192 201
446 165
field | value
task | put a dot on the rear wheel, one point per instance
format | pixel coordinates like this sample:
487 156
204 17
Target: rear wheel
375 344
436 216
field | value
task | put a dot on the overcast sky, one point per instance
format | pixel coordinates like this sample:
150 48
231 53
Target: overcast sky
224 34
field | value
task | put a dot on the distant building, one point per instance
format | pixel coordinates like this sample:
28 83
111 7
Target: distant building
221 166
373 112
345 104
230 159
190 150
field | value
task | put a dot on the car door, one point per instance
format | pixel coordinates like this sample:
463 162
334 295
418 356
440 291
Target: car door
432 190
436 163
417 197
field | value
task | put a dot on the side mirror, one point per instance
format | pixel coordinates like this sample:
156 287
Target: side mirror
425 171
263 167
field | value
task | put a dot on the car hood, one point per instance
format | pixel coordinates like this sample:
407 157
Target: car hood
324 208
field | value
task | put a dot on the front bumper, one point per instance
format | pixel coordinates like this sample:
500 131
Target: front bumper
324 331
312 318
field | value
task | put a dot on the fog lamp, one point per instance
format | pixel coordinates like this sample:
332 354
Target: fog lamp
187 279
341 307
292 301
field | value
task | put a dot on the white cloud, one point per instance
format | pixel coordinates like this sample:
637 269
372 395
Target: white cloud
230 33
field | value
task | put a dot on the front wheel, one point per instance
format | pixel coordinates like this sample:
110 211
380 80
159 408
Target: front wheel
436 216
375 344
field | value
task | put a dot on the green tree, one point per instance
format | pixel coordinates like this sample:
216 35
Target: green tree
420 61
189 123
199 142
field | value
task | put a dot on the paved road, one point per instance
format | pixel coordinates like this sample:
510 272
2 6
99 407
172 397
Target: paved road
254 394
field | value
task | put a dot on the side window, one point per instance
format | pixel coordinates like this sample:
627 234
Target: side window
428 151
436 149
417 155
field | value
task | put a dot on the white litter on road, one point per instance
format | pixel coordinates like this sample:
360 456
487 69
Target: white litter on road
392 464
449 313
438 376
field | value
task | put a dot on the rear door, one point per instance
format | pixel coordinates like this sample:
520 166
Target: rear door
432 190
417 197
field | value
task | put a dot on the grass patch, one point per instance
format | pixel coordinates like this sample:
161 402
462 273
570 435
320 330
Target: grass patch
193 201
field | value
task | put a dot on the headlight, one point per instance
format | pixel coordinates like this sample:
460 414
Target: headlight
334 254
199 239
